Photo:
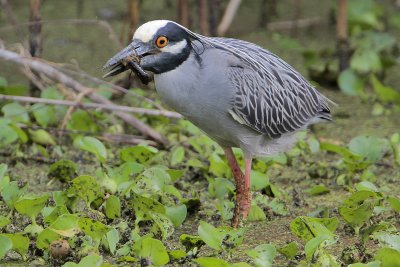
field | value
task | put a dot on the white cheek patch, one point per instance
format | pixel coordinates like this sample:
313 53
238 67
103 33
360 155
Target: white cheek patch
146 32
176 48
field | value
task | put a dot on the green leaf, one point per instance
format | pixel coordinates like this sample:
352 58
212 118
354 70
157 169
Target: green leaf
350 83
318 190
263 255
370 147
358 208
4 221
11 192
312 245
385 93
16 112
389 257
289 250
113 207
65 225
163 223
92 260
210 235
63 170
218 167
176 214
387 239
82 121
178 155
7 135
5 245
31 205
86 188
366 186
220 188
394 203
177 254
370 264
92 228
112 237
158 177
364 61
258 181
3 170
191 241
211 262
45 115
41 137
256 214
143 206
45 238
307 228
140 154
92 145
151 249
20 243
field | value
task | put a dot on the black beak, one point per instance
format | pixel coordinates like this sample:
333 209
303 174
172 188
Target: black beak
129 58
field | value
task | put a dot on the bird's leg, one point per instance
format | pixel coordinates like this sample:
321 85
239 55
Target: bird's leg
243 196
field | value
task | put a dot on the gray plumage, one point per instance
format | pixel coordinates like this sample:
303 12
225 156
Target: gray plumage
241 95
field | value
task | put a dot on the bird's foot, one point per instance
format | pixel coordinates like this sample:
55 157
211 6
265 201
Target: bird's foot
242 208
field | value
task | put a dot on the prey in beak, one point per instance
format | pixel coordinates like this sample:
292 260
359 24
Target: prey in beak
127 59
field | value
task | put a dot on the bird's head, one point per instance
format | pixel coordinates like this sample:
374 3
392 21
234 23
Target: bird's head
157 46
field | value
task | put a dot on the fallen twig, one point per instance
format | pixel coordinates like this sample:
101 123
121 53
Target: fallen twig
69 82
142 111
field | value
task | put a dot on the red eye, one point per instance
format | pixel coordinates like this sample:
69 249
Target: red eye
161 41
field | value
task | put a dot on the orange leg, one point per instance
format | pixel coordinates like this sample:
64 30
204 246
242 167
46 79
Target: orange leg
243 196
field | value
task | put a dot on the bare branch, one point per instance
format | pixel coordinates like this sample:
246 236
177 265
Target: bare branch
69 82
228 17
142 111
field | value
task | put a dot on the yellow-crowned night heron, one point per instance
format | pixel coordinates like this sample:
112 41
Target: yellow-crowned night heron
240 94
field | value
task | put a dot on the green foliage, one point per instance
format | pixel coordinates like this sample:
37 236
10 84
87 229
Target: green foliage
86 188
151 249
350 83
63 170
388 257
113 207
90 260
220 238
5 245
92 145
263 255
289 250
139 154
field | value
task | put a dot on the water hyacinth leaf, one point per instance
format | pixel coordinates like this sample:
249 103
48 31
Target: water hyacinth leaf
388 257
289 250
16 112
151 249
211 235
258 181
177 254
4 221
11 192
177 156
81 120
143 206
92 228
366 186
350 83
7 135
218 167
387 239
191 241
86 188
63 170
92 145
211 262
45 238
220 188
163 224
20 243
313 244
113 207
263 255
3 170
44 114
256 214
318 190
66 225
5 245
176 214
369 264
385 93
394 203
158 177
307 228
112 238
358 208
175 174
370 147
92 260
31 205
139 154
